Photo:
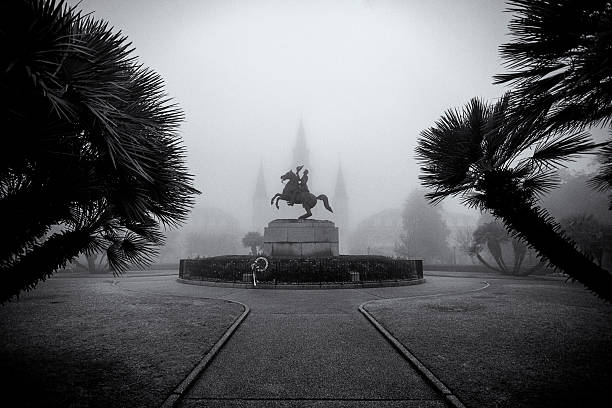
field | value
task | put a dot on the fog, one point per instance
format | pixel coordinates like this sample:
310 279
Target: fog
364 76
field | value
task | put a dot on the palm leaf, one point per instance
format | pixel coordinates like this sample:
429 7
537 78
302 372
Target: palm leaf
98 137
557 150
559 61
448 150
541 183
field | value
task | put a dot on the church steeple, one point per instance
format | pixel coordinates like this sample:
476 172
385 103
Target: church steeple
260 186
340 191
261 204
341 209
300 151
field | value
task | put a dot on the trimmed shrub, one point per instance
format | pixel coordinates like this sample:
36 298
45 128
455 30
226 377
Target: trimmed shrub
303 270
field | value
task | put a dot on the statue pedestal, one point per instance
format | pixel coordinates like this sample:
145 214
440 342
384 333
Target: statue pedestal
301 239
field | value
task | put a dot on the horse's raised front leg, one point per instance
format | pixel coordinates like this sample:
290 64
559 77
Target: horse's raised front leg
272 200
279 198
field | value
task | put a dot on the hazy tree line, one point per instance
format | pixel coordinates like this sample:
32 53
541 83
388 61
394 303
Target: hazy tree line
425 234
581 211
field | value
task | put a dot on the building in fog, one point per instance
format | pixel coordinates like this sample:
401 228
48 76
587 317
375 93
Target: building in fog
263 212
210 231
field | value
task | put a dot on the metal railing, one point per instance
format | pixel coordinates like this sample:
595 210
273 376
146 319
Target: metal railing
337 269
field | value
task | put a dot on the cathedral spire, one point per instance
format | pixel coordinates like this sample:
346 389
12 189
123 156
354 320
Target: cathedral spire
341 208
260 186
261 204
300 151
340 191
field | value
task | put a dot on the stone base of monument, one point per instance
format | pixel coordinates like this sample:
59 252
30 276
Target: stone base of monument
302 254
301 238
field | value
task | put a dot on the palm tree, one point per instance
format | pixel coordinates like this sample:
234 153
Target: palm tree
470 154
93 263
95 163
494 235
560 67
474 250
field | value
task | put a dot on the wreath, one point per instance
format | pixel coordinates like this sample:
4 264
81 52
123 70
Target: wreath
260 264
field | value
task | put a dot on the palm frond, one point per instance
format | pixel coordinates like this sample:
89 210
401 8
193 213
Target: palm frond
557 150
130 249
98 136
40 261
559 61
475 200
541 183
603 180
148 230
447 151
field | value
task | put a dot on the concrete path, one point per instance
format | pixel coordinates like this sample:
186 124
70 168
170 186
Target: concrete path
308 348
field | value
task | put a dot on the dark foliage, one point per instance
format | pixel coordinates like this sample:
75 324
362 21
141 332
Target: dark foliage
560 63
303 270
603 180
94 151
471 154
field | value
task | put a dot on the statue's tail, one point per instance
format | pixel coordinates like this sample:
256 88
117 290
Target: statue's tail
323 198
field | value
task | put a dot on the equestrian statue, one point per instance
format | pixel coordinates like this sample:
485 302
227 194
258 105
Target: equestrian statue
296 192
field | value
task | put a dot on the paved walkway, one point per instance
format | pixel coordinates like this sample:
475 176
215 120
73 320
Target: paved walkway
308 348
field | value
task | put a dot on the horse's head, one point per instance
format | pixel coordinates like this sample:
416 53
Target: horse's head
290 175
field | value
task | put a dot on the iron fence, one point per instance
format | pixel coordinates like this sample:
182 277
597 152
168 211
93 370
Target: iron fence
337 269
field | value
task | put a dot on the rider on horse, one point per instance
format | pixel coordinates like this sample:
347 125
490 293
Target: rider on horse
296 192
302 185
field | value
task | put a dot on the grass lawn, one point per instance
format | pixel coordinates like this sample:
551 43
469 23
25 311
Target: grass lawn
519 343
89 343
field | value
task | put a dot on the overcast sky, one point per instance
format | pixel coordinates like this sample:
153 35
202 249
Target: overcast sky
366 76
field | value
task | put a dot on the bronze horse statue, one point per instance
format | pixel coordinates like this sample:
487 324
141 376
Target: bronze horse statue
300 196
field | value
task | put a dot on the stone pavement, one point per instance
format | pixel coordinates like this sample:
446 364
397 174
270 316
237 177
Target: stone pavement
307 348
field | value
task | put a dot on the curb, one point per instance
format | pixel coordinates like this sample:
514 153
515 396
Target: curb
301 286
180 390
420 367
485 275
450 398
